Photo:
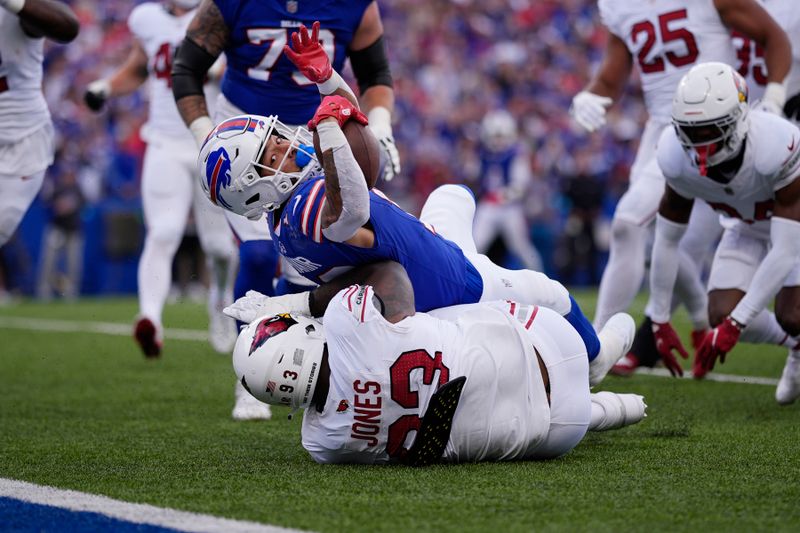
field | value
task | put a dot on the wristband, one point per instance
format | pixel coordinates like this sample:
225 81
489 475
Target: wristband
200 128
330 85
15 6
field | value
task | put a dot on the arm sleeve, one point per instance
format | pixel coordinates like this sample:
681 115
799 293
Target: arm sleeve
353 185
664 268
783 256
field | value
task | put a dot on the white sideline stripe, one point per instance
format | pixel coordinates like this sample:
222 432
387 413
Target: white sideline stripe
115 328
132 512
106 328
724 378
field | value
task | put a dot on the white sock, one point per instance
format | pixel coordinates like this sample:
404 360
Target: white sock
155 277
624 273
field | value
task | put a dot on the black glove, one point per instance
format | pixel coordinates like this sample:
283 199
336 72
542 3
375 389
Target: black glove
96 94
792 108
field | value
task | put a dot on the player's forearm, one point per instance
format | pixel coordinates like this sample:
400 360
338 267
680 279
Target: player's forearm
773 270
346 193
777 57
377 96
130 75
47 18
192 108
664 268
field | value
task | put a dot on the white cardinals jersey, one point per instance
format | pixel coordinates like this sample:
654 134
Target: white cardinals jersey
666 38
23 109
750 56
771 161
159 33
383 376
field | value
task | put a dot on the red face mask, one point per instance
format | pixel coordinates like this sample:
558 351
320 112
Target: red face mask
704 152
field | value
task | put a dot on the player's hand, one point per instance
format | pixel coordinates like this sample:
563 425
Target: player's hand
392 167
667 343
96 94
308 55
792 108
339 108
589 110
773 99
255 305
718 342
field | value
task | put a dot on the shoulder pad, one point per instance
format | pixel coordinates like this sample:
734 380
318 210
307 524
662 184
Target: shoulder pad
670 154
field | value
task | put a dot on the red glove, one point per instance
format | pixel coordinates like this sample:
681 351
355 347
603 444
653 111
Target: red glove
698 336
338 107
718 342
667 341
308 55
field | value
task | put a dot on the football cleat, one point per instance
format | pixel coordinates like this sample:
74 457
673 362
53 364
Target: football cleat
247 407
616 339
626 366
148 336
222 332
789 385
614 411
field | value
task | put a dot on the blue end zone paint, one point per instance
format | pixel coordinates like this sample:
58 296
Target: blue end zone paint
17 515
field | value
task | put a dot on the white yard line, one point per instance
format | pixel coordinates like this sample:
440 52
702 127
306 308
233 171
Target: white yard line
115 328
106 328
131 512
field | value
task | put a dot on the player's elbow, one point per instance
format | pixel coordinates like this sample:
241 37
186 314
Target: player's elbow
189 68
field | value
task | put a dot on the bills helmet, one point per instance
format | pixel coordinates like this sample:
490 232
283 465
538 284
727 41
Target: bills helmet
278 359
709 113
232 174
498 130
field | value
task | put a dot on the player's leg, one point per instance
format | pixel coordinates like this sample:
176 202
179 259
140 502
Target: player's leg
515 231
564 355
630 231
450 210
219 246
484 228
787 309
16 195
47 265
166 202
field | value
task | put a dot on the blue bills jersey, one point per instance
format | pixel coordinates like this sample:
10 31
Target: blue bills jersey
259 78
440 273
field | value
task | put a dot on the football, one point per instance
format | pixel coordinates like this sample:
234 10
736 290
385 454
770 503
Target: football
365 149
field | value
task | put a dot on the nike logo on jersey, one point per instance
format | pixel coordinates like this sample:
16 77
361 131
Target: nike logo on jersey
791 146
296 202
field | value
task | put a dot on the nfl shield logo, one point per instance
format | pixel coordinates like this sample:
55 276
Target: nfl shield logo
291 6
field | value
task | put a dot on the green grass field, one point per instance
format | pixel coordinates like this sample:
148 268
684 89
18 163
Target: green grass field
86 411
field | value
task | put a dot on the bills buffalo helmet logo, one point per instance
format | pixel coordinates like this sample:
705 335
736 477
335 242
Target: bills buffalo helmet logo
269 327
218 175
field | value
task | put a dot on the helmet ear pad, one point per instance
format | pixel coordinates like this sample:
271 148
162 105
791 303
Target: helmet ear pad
278 359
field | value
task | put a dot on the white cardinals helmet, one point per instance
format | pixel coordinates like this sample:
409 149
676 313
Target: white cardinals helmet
709 112
229 165
278 359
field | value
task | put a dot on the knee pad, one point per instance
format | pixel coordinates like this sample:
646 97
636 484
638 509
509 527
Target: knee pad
164 238
258 261
626 233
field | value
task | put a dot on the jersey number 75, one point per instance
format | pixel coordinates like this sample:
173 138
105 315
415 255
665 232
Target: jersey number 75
276 38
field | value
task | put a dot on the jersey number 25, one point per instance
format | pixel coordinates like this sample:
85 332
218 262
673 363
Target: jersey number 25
647 30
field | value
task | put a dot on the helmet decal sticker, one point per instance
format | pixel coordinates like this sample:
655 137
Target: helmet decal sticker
270 327
218 175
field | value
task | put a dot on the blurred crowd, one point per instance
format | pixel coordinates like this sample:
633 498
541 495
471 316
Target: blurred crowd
452 62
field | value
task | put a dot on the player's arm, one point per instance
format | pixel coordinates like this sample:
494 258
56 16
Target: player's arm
389 280
125 80
671 222
589 106
205 40
371 67
44 18
749 18
783 256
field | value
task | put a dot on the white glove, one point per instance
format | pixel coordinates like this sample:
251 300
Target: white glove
773 100
255 305
380 121
14 6
589 110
